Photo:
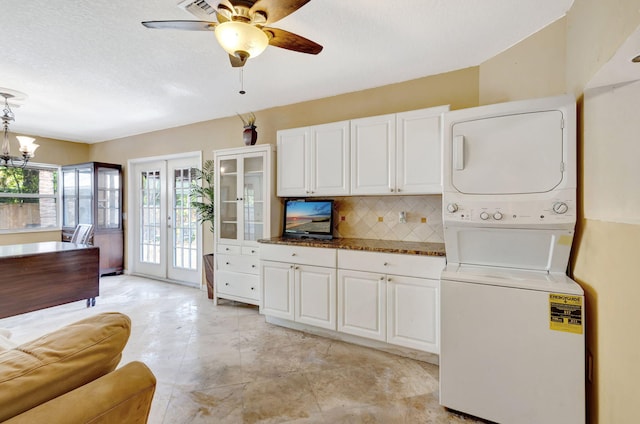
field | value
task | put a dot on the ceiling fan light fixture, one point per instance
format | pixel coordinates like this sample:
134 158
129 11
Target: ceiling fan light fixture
241 38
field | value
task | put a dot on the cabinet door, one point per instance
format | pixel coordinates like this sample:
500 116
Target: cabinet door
254 197
277 289
293 169
362 304
330 159
413 312
315 296
229 212
373 149
419 151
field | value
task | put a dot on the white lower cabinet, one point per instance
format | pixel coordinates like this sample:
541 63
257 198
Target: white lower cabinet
315 296
303 289
237 274
413 312
362 304
277 287
387 297
390 297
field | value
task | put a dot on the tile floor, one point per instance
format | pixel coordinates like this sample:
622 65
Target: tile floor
224 364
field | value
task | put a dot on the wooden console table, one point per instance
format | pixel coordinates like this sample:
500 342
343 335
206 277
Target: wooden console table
34 276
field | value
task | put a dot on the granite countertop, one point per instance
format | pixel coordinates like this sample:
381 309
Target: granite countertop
370 245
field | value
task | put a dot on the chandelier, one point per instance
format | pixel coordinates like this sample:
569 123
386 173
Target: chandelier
27 146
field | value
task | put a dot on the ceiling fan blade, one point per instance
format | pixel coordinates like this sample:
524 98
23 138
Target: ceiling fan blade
275 10
182 25
290 41
237 62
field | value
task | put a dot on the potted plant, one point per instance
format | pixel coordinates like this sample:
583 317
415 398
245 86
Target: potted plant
201 196
249 135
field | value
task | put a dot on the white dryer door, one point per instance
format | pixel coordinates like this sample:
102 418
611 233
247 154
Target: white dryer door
509 154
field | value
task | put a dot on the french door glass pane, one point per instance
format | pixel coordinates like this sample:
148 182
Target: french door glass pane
185 249
150 217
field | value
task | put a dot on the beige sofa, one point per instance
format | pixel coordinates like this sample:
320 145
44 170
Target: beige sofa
70 376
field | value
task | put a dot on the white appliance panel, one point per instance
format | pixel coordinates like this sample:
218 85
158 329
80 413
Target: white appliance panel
543 250
500 360
512 154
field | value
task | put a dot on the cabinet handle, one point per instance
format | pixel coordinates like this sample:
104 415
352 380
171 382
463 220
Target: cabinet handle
253 266
391 190
226 263
388 280
295 267
291 266
398 190
253 251
226 249
381 278
226 284
253 288
293 254
385 264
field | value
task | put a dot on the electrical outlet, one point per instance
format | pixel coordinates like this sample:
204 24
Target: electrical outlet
402 217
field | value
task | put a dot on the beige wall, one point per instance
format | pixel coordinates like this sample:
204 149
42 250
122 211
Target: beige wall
607 244
532 68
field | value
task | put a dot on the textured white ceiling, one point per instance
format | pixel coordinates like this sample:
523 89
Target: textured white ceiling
93 72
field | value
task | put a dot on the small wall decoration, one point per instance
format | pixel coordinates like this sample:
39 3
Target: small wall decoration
249 135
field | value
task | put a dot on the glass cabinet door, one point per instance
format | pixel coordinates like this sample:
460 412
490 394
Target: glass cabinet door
253 197
108 201
69 198
229 198
85 196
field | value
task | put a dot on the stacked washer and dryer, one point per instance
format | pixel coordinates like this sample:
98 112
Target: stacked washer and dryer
512 322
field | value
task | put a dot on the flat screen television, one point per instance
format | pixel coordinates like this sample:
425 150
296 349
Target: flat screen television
308 219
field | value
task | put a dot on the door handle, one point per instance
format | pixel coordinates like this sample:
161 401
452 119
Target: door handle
458 152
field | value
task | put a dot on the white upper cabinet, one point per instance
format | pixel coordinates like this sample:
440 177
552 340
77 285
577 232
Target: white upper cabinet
314 161
397 153
373 152
419 151
330 159
293 168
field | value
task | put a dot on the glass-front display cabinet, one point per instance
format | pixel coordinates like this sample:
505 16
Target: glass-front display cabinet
92 194
246 210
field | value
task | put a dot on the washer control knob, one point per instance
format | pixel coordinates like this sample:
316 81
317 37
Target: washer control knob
560 208
497 215
452 207
484 216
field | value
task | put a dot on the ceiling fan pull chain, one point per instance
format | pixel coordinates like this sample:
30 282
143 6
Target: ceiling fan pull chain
242 81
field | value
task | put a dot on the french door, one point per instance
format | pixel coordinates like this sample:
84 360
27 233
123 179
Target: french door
165 231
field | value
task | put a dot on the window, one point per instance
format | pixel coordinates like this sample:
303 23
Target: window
28 198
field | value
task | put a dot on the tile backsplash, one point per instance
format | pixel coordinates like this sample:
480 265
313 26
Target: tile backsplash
378 217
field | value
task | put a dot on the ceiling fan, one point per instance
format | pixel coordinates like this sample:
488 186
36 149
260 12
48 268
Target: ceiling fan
242 28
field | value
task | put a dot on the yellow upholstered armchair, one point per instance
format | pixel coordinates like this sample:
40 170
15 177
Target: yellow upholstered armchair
70 376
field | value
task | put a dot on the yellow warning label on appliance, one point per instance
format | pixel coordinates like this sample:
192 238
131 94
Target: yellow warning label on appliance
565 313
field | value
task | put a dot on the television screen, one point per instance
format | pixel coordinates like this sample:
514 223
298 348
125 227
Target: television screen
308 219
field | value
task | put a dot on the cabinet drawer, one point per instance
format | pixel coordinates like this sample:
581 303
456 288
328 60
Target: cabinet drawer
317 256
250 251
241 285
238 263
392 263
229 249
